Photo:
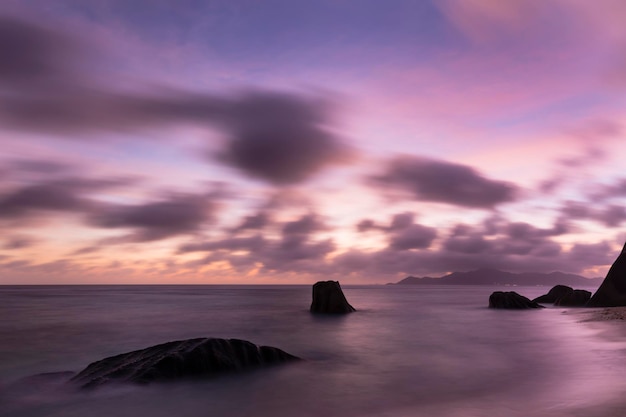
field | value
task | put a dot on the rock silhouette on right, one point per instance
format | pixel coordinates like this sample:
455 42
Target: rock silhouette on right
612 291
329 299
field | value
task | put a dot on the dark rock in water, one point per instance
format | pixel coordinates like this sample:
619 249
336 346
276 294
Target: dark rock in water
574 298
564 296
328 298
180 359
511 300
612 291
554 294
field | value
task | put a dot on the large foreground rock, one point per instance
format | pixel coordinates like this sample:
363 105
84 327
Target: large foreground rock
510 300
328 298
180 359
612 291
554 294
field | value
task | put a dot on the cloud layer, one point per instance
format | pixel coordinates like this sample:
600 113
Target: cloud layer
116 129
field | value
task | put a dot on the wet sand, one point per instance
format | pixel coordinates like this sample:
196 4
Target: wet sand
616 314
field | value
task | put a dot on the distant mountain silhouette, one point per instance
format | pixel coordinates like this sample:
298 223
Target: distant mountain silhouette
495 277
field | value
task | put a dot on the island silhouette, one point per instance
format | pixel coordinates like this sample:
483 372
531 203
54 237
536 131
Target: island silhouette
497 277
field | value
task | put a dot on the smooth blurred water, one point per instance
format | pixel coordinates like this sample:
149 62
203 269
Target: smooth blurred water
407 351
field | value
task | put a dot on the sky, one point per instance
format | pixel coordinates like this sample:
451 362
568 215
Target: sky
284 142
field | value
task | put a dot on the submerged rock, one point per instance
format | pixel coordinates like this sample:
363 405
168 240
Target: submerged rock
511 300
329 298
574 298
180 359
612 291
554 294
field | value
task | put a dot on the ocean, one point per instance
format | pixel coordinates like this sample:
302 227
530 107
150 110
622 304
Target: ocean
408 351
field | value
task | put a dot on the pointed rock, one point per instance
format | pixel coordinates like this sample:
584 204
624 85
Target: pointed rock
612 291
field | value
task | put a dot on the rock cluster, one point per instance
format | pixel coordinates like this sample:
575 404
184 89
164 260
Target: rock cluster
564 296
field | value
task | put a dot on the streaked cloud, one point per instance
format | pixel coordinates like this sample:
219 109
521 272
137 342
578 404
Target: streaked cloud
445 182
170 216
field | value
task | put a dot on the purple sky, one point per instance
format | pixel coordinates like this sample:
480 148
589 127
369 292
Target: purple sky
286 141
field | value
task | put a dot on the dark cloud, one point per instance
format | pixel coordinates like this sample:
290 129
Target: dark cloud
366 225
293 250
505 238
297 243
280 138
252 244
403 233
30 53
398 222
618 189
444 182
526 231
470 244
611 215
493 224
175 215
591 254
49 197
576 210
608 191
74 109
414 236
254 222
62 195
305 225
401 221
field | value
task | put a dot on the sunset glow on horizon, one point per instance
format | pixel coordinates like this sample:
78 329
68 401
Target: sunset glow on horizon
281 142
